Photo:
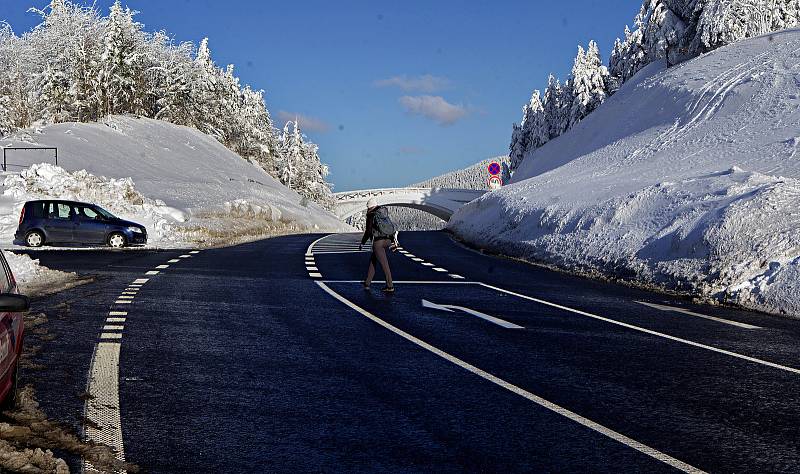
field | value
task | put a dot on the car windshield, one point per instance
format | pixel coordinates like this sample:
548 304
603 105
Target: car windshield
103 212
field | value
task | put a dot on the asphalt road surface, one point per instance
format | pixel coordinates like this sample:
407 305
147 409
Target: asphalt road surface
271 357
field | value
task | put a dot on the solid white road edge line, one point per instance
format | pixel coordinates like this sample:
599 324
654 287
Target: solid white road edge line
642 448
673 309
647 331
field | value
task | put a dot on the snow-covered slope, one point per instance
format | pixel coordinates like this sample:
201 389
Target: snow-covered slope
686 179
184 185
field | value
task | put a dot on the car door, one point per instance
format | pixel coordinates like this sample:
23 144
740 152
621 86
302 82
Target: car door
90 227
10 331
58 224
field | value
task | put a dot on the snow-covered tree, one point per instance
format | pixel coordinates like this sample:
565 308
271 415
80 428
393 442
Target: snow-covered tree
556 107
120 64
588 83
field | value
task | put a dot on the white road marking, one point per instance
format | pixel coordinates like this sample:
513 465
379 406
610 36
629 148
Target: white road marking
162 267
125 297
140 281
698 315
111 335
102 407
315 275
311 246
427 264
417 259
118 313
152 272
312 269
331 252
123 302
194 252
458 277
113 327
642 448
134 293
174 260
411 255
491 319
648 331
437 269
115 320
185 256
409 282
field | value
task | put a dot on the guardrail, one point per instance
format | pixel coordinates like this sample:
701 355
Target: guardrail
25 148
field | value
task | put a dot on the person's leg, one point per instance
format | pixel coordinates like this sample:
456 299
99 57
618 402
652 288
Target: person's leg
380 252
371 270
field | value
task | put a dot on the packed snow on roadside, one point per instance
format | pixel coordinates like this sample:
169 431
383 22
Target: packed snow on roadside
687 179
185 187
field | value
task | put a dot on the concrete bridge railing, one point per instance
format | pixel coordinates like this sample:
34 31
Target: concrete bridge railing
441 202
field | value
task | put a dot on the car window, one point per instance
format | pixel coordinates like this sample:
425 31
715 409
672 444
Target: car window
59 210
36 209
87 212
5 282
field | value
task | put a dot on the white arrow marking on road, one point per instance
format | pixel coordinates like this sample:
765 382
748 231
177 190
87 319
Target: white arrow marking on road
661 307
491 319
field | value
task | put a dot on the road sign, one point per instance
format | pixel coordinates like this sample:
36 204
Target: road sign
495 182
495 168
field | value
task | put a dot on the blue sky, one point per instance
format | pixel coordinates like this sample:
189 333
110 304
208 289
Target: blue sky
393 92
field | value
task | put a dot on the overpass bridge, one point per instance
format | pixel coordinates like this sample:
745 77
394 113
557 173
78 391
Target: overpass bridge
441 202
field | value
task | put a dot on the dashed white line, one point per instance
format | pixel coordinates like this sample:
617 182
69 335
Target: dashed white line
457 277
417 259
152 272
174 260
125 297
134 293
102 407
113 327
312 269
662 307
652 452
123 302
185 256
140 281
440 270
315 275
194 252
428 264
162 267
111 335
115 320
118 313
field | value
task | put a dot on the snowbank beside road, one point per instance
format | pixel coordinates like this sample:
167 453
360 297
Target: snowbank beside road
687 179
168 177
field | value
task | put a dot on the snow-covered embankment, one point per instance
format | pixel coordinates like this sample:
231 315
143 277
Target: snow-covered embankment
687 179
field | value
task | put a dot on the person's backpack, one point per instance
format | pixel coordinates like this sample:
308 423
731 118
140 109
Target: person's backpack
383 226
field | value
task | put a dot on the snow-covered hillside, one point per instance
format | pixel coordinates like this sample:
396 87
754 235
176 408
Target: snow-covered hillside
185 186
687 179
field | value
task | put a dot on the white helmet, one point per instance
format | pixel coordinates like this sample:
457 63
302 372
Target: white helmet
372 203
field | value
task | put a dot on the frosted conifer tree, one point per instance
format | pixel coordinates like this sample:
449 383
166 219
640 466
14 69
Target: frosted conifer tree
120 63
588 83
536 127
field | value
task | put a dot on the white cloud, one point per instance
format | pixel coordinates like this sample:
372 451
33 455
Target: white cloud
307 122
433 107
424 83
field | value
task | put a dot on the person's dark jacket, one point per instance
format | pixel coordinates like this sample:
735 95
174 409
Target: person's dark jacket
368 226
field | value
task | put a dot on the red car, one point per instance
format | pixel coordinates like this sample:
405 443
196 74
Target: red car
12 305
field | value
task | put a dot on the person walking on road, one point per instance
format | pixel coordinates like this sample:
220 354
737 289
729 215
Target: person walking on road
383 233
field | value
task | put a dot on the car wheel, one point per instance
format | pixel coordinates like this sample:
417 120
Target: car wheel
34 239
117 240
10 402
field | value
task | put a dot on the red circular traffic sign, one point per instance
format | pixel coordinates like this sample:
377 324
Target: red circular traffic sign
494 182
495 168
